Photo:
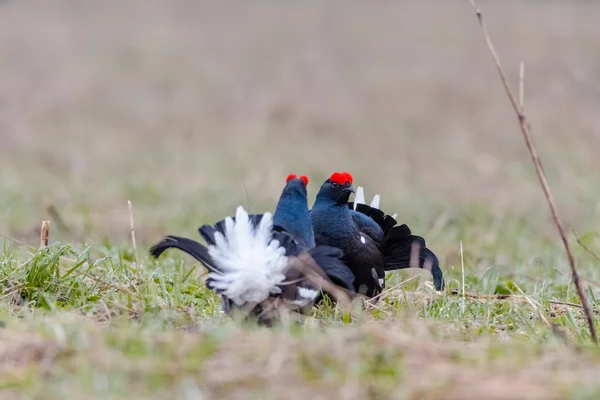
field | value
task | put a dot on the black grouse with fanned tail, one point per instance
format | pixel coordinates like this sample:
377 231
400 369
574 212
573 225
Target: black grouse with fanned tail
370 239
263 264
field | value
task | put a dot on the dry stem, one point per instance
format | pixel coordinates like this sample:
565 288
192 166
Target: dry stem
132 232
585 247
44 234
500 297
540 172
462 264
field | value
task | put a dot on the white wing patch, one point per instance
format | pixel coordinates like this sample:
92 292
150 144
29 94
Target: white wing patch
381 282
359 197
305 296
252 263
394 216
362 239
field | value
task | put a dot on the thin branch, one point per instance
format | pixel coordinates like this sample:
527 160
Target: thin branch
585 247
525 130
584 278
500 297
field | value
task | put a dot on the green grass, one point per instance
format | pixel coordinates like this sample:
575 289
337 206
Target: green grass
92 323
193 107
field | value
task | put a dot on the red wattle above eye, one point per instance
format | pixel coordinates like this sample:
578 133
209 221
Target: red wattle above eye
290 177
341 178
348 176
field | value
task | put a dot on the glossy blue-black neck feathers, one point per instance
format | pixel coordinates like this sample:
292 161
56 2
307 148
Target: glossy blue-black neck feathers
331 216
292 214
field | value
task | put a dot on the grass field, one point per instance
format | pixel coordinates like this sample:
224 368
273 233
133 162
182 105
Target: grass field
190 108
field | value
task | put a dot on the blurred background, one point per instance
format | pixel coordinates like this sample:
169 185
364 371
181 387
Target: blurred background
189 108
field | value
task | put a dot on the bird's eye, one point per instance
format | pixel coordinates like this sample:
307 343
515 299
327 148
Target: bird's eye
335 184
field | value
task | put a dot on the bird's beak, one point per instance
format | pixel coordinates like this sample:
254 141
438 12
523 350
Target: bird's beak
348 189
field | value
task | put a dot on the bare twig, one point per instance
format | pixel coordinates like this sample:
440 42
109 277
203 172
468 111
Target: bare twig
583 278
585 247
525 130
44 234
476 296
132 232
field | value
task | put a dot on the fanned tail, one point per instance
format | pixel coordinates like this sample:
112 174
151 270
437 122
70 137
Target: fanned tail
246 261
251 262
403 250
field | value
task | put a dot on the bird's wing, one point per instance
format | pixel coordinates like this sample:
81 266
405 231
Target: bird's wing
317 270
330 260
367 225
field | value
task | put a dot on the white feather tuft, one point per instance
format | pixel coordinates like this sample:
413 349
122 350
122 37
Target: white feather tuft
250 261
375 201
359 196
305 296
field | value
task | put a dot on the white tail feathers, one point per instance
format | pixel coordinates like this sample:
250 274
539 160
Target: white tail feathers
375 201
251 263
359 198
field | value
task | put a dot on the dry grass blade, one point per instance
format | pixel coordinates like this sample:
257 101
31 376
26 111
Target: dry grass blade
477 296
132 227
44 234
390 291
462 266
540 173
534 306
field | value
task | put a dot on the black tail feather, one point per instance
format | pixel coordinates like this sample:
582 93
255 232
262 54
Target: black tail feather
386 222
189 246
208 234
397 250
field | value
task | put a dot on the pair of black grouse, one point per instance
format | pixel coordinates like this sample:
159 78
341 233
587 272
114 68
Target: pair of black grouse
265 263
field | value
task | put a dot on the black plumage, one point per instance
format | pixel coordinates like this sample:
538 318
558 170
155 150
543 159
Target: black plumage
284 278
370 239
